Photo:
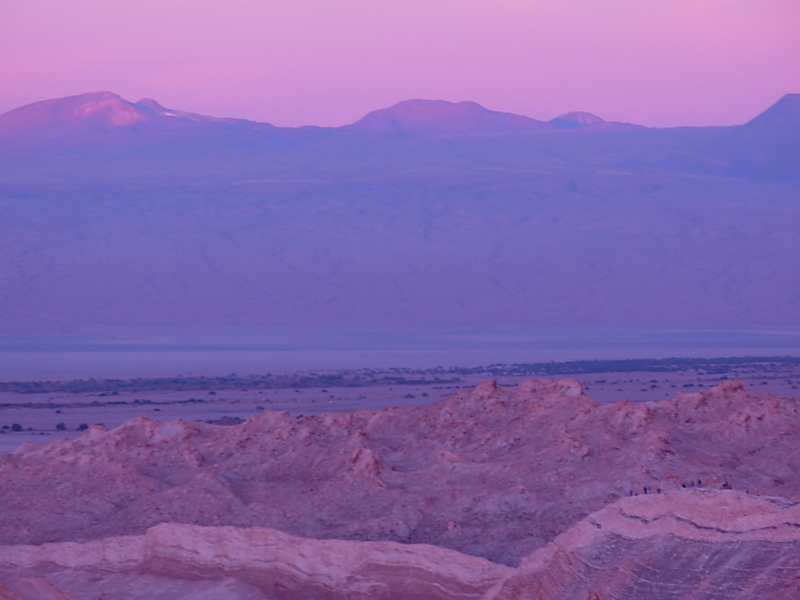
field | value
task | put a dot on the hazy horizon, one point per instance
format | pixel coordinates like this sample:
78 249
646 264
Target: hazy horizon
402 104
123 218
25 358
706 62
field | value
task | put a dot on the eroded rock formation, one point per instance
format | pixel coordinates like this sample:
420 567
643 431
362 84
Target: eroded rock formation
689 544
692 545
275 564
491 472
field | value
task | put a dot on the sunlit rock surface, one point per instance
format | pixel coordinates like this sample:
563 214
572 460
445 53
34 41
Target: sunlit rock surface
492 472
252 562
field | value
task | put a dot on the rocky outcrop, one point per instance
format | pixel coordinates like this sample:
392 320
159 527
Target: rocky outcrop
494 471
684 545
695 545
275 564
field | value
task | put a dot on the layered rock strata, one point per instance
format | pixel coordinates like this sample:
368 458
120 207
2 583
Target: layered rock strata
276 564
687 545
696 545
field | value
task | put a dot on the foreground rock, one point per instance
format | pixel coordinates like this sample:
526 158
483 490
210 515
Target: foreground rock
493 472
687 545
696 545
186 559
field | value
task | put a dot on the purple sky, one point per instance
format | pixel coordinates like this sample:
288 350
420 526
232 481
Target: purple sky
328 62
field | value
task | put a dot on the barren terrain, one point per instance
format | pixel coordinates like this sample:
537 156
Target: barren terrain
534 490
232 399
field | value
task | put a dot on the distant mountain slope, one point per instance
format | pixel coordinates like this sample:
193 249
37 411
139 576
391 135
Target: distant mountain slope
782 116
767 147
576 120
119 214
439 117
97 113
771 141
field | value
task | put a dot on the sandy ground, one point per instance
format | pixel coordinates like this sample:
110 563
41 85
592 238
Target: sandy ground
40 418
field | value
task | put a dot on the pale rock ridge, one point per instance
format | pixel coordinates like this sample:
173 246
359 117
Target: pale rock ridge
711 515
280 565
687 545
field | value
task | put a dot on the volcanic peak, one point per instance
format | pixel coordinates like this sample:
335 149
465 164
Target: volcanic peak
102 112
158 109
441 117
94 109
576 120
783 115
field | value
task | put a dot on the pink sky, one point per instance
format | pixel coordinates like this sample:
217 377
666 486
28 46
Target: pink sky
328 62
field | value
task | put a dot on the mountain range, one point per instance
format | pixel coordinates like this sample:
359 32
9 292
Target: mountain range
105 111
424 216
